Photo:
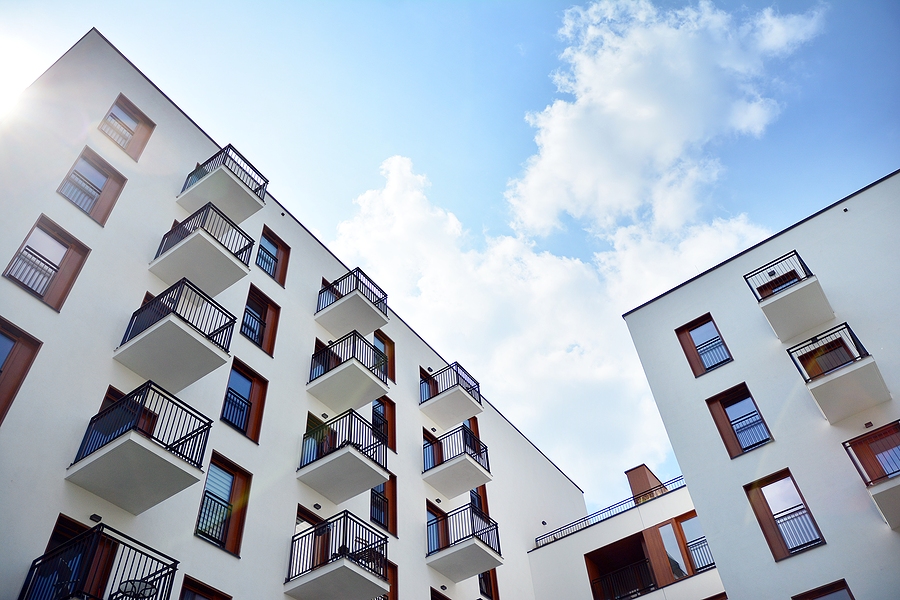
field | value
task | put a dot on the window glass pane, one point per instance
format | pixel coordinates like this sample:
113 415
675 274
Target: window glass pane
6 345
91 173
268 245
679 570
434 536
379 343
704 333
219 482
239 383
44 244
692 529
781 495
123 116
838 595
740 409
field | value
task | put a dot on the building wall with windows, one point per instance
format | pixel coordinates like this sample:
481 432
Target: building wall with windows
154 462
760 415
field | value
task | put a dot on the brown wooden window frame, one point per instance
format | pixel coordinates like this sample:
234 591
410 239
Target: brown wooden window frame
436 595
390 419
135 146
488 579
717 405
269 320
110 191
766 518
240 495
865 457
390 495
690 349
820 592
282 255
259 385
17 364
393 586
67 270
388 344
201 591
443 533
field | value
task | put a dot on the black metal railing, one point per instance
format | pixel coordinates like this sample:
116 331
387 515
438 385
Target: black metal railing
117 130
155 413
81 192
350 346
713 353
876 454
253 327
266 261
778 275
464 523
628 582
446 378
236 410
194 307
232 160
352 281
378 509
609 512
751 431
346 429
33 270
455 443
701 557
215 223
797 528
827 351
214 518
100 564
342 536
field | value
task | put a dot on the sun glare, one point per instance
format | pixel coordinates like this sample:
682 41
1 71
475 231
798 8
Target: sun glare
19 66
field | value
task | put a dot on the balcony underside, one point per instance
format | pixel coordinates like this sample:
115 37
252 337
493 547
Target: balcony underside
887 498
133 473
797 309
849 390
226 191
343 474
349 385
203 260
464 560
451 407
171 353
342 579
457 476
352 311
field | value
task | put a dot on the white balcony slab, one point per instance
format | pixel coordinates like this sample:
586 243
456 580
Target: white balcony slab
133 473
352 311
203 260
342 579
343 474
798 308
451 407
171 353
226 191
849 390
457 476
464 560
349 385
887 498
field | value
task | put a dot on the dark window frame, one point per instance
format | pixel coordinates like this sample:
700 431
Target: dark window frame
691 351
108 195
269 320
388 344
204 591
766 518
820 592
240 495
390 496
140 136
259 385
717 407
18 362
389 419
282 256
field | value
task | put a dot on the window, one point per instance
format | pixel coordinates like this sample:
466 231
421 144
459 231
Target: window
386 345
391 572
260 320
837 590
127 126
224 505
428 385
48 262
383 509
93 185
877 453
433 450
272 255
703 346
478 499
436 527
384 421
487 585
436 595
192 589
738 420
786 522
17 352
245 399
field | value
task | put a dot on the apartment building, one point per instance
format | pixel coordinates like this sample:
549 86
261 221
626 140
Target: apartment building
774 373
198 400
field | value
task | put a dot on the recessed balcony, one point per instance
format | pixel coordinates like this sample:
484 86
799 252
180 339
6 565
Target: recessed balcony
877 458
348 373
456 463
790 296
141 450
100 563
449 396
839 372
207 248
343 458
339 559
463 543
229 181
177 337
350 303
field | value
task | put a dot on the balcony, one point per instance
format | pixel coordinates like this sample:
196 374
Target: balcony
207 248
350 303
348 373
701 557
877 458
229 181
177 338
630 581
450 396
32 270
339 559
463 543
839 373
100 563
456 463
143 449
343 458
797 529
790 296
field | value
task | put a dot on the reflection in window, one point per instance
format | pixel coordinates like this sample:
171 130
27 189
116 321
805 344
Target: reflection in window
676 561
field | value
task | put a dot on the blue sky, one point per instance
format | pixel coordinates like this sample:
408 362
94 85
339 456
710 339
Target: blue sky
514 187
